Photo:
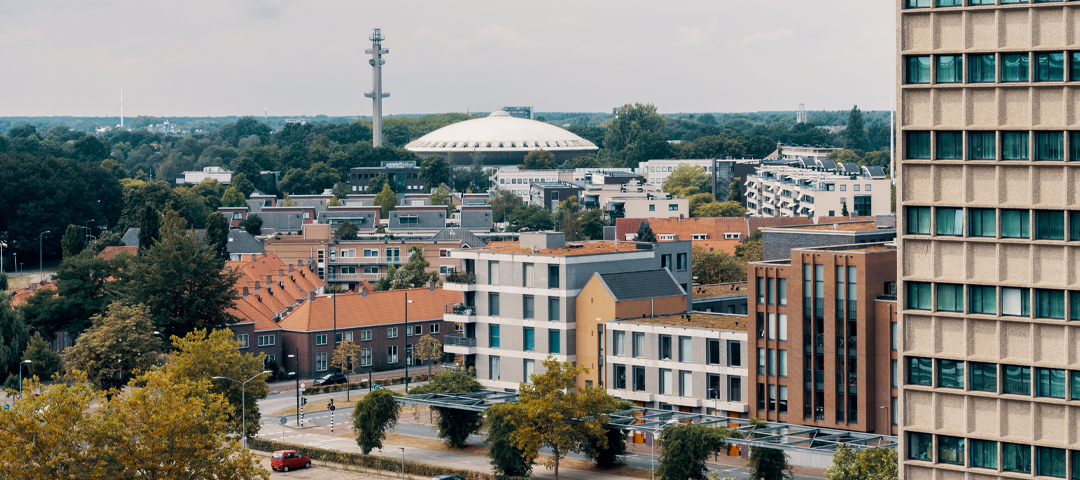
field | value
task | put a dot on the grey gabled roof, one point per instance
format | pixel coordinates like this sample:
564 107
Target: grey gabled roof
239 240
131 237
460 234
644 284
282 221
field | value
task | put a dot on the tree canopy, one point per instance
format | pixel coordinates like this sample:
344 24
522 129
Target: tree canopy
372 417
116 348
687 178
386 199
454 425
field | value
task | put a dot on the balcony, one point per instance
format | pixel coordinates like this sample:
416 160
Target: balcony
459 344
460 313
460 281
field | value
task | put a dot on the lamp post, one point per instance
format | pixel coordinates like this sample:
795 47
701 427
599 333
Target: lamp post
20 375
407 359
296 375
243 400
41 249
86 234
888 420
402 463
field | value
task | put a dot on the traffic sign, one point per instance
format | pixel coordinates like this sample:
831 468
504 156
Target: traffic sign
7 406
376 387
283 420
303 386
332 408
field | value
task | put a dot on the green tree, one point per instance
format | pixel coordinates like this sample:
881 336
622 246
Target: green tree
645 233
506 459
3 281
606 453
347 231
769 464
413 274
720 209
716 266
593 223
556 414
386 199
530 218
378 183
434 171
686 175
233 197
699 199
569 215
441 196
217 235
120 344
295 181
878 158
686 447
372 417
855 133
844 156
428 350
503 204
44 362
454 425
287 202
634 133
735 191
539 159
148 228
14 336
252 224
82 292
242 184
751 248
321 178
341 190
843 210
867 464
72 242
333 202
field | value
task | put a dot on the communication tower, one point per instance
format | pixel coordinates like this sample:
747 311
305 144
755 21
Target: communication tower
376 93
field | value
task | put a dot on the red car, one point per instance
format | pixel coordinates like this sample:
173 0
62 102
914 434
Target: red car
286 460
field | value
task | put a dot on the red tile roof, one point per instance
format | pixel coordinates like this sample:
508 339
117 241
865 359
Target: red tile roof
111 252
714 227
271 297
377 308
22 295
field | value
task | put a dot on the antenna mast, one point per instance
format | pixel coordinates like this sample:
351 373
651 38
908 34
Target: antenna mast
376 93
121 107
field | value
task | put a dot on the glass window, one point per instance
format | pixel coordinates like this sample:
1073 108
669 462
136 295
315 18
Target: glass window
1015 302
761 290
950 68
950 450
1049 67
1015 224
918 3
781 287
950 221
951 374
665 382
638 347
493 336
920 445
782 333
713 352
1051 383
639 379
553 309
528 274
1017 380
920 371
918 294
620 377
1074 64
982 146
1016 458
772 362
1050 304
918 69
1075 382
761 361
983 377
528 307
918 145
528 369
1049 225
530 339
553 276
493 304
618 343
554 341
1074 226
950 145
1049 146
1014 67
685 354
950 298
950 3
984 454
981 67
686 384
1051 462
781 363
918 220
771 288
493 273
983 222
665 347
1014 146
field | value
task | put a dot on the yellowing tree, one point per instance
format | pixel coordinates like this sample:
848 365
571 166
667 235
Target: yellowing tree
685 178
429 349
346 357
119 345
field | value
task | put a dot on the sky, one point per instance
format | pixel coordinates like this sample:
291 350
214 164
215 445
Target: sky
306 57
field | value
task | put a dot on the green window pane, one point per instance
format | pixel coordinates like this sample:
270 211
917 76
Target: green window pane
918 221
983 222
1074 305
1049 67
1051 462
983 300
1015 224
918 69
920 371
950 221
554 341
950 298
981 68
1017 380
1051 383
530 340
1016 458
1075 382
1074 64
1014 67
918 295
1049 146
982 2
920 446
918 145
984 454
1074 226
918 3
982 146
1014 146
950 450
1074 143
1050 304
983 377
950 68
950 3
950 145
1050 225
493 336
951 374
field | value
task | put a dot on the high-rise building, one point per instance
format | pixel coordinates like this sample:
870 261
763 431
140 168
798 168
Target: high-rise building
988 119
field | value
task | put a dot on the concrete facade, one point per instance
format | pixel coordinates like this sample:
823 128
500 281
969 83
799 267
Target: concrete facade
777 242
786 191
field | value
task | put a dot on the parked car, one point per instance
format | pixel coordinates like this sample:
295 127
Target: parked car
286 460
446 477
331 379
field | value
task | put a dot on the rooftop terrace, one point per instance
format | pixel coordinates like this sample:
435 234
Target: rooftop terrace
698 320
582 248
706 291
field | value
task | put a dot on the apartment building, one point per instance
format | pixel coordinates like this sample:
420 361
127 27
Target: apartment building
800 153
788 191
517 180
824 343
550 195
778 241
515 296
988 225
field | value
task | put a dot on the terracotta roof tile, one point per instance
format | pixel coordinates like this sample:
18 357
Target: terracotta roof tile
110 253
377 308
22 295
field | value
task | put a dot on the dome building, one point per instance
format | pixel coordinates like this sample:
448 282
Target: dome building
503 139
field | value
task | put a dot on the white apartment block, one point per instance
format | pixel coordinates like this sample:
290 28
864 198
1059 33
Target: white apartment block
196 177
516 180
784 191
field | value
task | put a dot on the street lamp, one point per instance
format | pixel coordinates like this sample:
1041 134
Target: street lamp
20 375
402 463
888 420
243 400
41 248
407 359
86 235
296 375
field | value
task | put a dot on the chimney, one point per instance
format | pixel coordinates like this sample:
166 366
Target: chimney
281 273
228 268
269 279
362 289
431 285
258 286
292 268
299 264
245 294
255 257
259 298
836 226
311 296
33 287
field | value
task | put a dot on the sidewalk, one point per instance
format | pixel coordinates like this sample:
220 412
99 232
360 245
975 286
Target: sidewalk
289 386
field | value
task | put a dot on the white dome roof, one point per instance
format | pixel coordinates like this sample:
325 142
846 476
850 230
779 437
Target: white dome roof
499 132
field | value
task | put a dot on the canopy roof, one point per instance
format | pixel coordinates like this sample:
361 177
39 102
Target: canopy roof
500 132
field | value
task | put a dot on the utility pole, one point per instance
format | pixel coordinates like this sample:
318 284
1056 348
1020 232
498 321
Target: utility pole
376 93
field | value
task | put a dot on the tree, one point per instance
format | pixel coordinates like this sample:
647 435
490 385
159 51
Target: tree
44 362
685 176
429 350
531 218
217 234
242 184
201 355
699 199
148 227
716 266
844 156
346 356
341 190
413 274
347 231
645 233
751 248
3 281
72 242
569 215
606 453
321 178
769 464
378 183
855 133
434 171
632 132
454 425
556 414
233 197
386 199
14 336
295 181
252 224
686 447
735 191
287 202
505 458
843 209
539 159
593 223
118 345
867 464
720 209
372 417
503 204
441 196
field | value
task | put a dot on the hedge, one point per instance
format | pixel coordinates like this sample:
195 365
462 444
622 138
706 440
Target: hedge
313 390
372 462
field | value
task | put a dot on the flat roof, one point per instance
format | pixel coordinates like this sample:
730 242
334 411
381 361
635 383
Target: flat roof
706 291
586 248
698 320
859 226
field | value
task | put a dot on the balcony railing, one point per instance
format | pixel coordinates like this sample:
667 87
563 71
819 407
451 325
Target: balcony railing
460 309
459 341
461 277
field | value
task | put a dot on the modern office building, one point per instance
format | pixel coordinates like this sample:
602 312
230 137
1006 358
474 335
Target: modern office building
777 241
403 177
990 217
788 191
550 194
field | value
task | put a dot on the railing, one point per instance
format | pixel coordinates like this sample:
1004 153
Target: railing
887 297
461 277
460 309
459 341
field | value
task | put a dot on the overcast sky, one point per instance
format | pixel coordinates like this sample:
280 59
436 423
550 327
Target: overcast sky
306 57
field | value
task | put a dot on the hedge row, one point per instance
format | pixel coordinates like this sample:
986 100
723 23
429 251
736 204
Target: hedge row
313 390
372 462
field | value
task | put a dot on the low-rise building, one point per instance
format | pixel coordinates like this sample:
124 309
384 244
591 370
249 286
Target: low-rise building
403 176
217 173
710 233
517 180
727 298
786 191
418 218
777 241
800 152
549 194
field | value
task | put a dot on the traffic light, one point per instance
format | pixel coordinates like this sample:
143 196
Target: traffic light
303 401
